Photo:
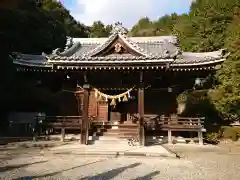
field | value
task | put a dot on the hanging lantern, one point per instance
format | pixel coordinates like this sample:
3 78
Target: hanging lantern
169 89
198 81
39 82
106 98
68 77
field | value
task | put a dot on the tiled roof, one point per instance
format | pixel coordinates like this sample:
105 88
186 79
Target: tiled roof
159 46
153 51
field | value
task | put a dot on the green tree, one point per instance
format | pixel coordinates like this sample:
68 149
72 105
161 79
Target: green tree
226 95
143 27
98 29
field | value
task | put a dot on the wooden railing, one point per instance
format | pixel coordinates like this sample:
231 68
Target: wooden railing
180 123
20 129
47 125
156 122
57 122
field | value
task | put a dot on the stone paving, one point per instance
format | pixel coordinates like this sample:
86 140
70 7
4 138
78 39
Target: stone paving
207 163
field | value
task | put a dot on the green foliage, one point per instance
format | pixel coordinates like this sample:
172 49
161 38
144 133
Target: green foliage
183 97
212 137
209 26
98 29
226 95
146 27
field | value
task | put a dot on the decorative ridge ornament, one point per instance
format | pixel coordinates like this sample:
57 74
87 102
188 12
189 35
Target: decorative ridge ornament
69 42
118 28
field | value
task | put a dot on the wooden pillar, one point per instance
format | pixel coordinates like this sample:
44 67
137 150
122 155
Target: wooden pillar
141 111
85 123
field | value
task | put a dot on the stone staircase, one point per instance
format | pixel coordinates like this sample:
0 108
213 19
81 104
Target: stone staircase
118 133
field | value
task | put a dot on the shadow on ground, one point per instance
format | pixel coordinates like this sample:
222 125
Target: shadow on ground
55 173
105 175
110 174
148 176
9 168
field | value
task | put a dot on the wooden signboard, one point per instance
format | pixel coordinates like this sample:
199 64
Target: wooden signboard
97 110
102 111
92 108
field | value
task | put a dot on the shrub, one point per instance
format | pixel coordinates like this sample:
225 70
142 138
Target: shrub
212 138
230 132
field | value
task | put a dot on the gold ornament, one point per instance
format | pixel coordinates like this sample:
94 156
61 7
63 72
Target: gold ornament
125 98
113 103
96 93
99 98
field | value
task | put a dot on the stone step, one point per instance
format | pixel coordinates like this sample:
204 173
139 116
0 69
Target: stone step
127 125
123 130
113 142
116 133
121 135
104 138
110 137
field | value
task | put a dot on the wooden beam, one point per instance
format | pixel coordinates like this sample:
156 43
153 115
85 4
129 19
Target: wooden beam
141 111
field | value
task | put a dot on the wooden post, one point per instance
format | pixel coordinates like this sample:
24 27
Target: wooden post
200 137
85 123
62 134
169 136
141 111
78 95
35 129
200 134
191 133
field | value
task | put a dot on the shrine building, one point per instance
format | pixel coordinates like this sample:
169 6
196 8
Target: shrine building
122 83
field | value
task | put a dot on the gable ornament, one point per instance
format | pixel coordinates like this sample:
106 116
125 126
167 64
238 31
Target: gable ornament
118 48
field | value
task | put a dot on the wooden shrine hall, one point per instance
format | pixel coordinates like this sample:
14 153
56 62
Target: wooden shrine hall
124 86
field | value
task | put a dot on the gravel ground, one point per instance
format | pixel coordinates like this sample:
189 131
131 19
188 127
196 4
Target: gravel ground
196 164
